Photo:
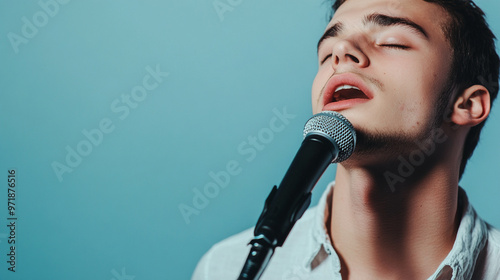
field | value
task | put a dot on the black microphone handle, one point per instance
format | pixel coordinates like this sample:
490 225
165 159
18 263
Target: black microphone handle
286 204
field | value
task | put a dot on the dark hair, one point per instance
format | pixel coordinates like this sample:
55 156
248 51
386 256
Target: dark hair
475 60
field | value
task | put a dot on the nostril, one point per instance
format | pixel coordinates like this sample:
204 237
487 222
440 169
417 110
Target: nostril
355 59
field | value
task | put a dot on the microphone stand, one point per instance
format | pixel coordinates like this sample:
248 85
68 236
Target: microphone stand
286 204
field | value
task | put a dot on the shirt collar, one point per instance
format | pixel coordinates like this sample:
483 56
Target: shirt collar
322 244
459 263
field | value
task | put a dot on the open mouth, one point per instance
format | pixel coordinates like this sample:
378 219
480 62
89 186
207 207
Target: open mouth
344 91
347 92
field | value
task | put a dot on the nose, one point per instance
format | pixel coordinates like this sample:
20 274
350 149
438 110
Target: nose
349 53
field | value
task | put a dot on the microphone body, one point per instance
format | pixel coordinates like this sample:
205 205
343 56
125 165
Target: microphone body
328 137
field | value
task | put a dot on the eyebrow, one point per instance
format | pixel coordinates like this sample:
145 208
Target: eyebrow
377 19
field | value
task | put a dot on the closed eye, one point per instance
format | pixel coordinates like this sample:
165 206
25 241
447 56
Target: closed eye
392 46
395 46
326 58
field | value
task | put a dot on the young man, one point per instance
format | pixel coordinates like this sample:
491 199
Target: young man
414 77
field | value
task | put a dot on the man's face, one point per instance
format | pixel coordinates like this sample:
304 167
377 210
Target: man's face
395 55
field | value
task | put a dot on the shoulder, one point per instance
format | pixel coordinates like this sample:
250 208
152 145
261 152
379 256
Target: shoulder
492 254
494 236
493 245
225 259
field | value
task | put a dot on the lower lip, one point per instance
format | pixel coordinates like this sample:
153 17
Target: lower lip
344 104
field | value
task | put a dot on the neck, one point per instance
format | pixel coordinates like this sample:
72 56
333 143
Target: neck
393 232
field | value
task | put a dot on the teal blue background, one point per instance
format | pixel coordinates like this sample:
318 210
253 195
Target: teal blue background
117 212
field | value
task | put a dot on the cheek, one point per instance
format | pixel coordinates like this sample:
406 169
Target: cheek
428 83
418 86
416 110
411 97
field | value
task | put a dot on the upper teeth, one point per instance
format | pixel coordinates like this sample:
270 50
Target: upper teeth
346 87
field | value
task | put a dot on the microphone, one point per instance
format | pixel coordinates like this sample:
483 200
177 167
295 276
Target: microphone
328 138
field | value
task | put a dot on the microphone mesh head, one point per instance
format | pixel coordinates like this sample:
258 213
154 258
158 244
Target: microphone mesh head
337 129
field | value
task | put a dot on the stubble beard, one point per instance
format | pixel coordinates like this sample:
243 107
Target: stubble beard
386 145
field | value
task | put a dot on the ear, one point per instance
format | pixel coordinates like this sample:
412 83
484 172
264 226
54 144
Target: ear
472 107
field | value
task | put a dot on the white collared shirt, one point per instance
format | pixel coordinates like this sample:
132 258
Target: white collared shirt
308 253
